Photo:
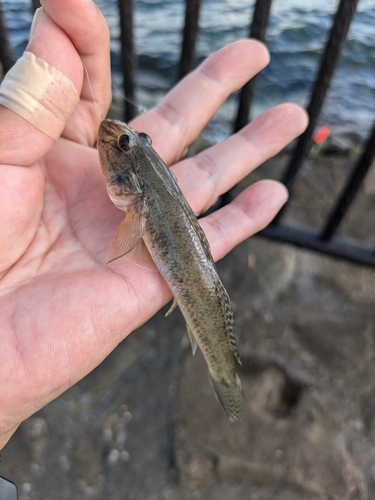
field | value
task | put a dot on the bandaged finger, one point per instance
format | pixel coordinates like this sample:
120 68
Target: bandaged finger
39 93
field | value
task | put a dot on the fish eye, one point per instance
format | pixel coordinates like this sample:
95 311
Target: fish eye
145 137
118 179
125 142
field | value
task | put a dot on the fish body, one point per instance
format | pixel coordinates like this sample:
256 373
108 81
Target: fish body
140 183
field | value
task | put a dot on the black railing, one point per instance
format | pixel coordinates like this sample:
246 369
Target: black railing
127 55
6 58
189 38
258 30
35 4
324 239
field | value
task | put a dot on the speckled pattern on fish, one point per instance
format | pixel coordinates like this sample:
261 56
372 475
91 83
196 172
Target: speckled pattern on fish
140 184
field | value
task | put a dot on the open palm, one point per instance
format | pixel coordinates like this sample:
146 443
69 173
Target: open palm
62 310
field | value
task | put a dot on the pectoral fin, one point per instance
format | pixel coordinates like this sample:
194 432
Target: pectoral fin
127 236
192 339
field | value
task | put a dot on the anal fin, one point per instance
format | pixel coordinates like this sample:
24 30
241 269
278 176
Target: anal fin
192 339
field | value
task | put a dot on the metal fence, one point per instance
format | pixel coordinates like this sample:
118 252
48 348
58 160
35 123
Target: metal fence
325 239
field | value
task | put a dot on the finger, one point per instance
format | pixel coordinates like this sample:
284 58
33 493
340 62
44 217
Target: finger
22 145
179 118
249 213
51 40
216 170
50 43
86 27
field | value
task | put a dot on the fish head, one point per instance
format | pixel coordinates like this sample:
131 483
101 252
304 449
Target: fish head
120 149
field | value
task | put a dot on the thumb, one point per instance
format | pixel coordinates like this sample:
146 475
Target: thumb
51 44
23 144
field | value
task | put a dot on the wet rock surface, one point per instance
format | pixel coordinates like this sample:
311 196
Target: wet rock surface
145 423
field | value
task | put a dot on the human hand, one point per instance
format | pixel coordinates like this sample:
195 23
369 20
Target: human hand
62 311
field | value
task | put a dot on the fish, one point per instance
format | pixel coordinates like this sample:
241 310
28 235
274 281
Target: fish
141 184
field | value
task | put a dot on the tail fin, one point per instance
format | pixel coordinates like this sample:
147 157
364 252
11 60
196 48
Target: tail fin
230 396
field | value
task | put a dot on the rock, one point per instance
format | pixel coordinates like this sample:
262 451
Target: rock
342 344
86 462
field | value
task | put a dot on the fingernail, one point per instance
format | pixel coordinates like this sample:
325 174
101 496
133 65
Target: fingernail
36 19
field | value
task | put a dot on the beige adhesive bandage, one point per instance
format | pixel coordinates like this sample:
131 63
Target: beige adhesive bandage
39 93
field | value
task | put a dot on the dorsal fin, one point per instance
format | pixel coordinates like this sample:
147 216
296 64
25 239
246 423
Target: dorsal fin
191 217
229 320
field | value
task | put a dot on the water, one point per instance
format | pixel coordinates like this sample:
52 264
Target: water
295 38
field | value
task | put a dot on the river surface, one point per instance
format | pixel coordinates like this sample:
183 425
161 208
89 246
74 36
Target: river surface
296 36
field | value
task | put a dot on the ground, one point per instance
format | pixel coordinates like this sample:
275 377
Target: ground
145 424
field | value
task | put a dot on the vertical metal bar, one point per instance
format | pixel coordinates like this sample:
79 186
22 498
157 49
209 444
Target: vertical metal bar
189 37
258 30
351 188
127 54
35 4
328 64
6 57
329 61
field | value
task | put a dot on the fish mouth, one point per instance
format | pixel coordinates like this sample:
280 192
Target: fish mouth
106 130
107 134
114 128
110 132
